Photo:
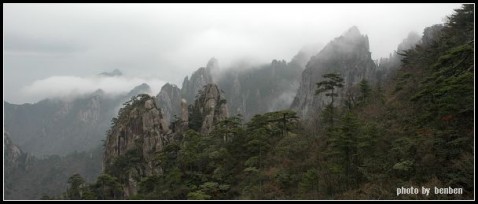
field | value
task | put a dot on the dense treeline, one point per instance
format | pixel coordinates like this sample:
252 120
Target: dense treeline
415 130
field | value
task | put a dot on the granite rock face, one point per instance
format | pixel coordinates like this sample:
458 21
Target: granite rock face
260 89
347 55
169 100
198 79
14 158
209 108
141 130
138 133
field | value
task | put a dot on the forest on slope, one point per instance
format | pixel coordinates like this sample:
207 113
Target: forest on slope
414 129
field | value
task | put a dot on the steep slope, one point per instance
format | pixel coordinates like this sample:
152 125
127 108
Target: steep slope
209 108
16 162
348 55
14 158
198 79
169 101
139 131
250 89
261 89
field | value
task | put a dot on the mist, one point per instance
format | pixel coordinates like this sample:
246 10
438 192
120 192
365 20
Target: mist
52 49
72 86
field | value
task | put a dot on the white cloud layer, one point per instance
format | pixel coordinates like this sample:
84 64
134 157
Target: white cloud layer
71 86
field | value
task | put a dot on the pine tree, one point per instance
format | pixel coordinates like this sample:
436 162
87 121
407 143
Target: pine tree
364 90
333 81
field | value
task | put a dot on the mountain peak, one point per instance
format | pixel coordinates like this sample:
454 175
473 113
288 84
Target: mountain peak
114 73
168 86
140 89
198 79
348 55
352 32
212 63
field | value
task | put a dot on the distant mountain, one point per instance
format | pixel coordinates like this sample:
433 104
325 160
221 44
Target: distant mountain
57 126
387 66
261 89
114 73
140 89
248 90
14 158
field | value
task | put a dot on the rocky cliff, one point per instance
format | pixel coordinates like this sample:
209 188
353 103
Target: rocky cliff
137 134
264 88
14 158
169 101
141 131
198 79
251 89
209 108
348 55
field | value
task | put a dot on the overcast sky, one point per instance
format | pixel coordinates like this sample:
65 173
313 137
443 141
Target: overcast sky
57 49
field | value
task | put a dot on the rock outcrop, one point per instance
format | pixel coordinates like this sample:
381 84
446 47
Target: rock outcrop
262 89
169 101
198 79
209 108
347 55
184 114
141 130
14 158
138 133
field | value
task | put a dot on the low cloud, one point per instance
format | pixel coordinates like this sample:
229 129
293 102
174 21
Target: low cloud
72 86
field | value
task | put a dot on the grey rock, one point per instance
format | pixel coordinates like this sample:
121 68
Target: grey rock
199 78
169 100
348 55
212 106
140 127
